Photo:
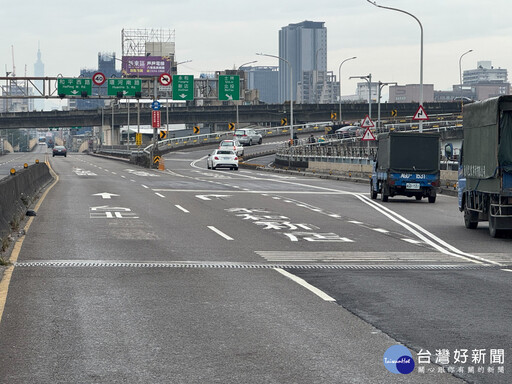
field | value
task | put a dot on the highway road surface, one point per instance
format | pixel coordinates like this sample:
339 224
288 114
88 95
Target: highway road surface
191 275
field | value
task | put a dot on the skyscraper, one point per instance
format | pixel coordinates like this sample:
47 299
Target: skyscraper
38 72
304 46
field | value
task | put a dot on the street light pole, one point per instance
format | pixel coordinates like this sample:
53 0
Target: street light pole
381 85
369 81
460 73
421 50
339 70
291 89
236 102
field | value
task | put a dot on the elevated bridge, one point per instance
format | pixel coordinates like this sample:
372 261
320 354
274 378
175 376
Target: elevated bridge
271 114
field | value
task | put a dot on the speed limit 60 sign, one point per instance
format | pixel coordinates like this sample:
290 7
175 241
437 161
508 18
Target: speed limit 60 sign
98 78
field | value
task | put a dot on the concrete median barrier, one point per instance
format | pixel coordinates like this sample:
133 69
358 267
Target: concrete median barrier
17 192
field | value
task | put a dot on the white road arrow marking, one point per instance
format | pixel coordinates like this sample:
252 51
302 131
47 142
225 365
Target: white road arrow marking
107 208
105 195
208 197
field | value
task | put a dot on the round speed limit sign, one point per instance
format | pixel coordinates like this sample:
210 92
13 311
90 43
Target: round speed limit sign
98 78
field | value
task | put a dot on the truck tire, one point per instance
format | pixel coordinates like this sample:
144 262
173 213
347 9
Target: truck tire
493 232
470 218
432 199
373 193
384 193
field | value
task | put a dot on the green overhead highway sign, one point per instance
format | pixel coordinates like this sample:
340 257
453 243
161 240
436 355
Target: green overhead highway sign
229 87
127 87
74 86
183 87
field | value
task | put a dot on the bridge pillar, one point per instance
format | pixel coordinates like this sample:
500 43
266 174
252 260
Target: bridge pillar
111 135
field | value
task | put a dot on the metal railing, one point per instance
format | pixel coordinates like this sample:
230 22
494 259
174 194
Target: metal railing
209 138
338 149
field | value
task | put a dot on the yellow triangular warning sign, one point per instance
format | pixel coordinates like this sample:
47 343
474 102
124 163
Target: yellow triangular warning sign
368 135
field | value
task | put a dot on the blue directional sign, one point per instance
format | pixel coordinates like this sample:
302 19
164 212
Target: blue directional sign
155 105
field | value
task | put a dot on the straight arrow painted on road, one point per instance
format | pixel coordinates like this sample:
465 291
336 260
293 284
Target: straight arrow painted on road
105 195
208 197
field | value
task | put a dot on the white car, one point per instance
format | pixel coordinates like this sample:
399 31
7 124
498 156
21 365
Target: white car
222 158
233 145
248 136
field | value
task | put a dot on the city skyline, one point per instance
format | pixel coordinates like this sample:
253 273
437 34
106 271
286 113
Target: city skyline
223 37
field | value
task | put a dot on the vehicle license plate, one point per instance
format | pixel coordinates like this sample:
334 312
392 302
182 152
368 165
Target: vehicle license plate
225 158
412 185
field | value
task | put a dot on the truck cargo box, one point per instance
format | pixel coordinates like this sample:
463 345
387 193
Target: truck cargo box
408 152
488 144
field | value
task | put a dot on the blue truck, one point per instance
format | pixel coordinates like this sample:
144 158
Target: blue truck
485 165
406 164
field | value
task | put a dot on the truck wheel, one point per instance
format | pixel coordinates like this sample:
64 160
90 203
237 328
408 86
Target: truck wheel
384 194
470 218
373 193
493 232
432 199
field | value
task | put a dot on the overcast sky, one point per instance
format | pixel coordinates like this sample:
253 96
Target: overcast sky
223 34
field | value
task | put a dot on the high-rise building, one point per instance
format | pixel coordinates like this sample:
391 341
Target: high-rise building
263 79
304 47
38 72
107 66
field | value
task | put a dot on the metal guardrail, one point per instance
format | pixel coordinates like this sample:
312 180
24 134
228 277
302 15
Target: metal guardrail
350 150
210 138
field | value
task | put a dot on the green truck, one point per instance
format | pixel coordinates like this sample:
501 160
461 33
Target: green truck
485 165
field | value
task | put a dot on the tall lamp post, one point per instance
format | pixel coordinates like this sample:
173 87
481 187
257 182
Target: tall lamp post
460 74
369 81
421 50
167 100
381 85
236 102
291 89
339 70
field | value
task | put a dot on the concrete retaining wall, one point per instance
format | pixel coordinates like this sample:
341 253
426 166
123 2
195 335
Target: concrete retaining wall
448 178
18 191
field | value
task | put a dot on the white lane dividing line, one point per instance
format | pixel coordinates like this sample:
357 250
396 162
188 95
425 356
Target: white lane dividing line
305 284
159 194
508 270
181 208
145 186
220 233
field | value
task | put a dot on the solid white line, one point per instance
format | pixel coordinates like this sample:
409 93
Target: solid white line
508 270
159 194
420 232
306 285
181 208
145 186
220 233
